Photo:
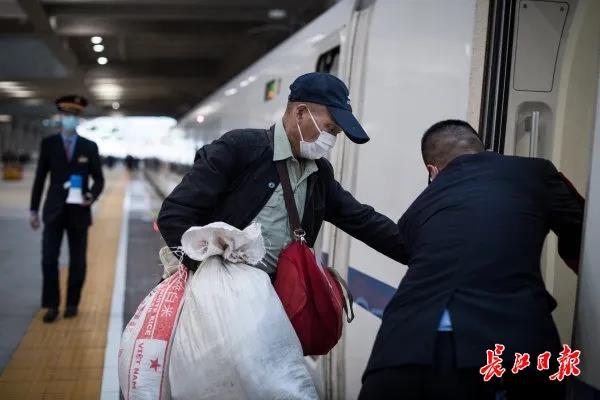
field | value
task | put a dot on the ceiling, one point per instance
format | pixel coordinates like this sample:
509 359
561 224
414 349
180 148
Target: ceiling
163 56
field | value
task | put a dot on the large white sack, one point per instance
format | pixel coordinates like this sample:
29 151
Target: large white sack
233 339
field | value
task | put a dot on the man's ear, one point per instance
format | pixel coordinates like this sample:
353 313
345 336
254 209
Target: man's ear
433 171
300 111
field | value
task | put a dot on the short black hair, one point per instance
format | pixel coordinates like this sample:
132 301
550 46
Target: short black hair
448 139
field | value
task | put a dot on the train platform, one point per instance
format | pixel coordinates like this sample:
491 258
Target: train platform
74 358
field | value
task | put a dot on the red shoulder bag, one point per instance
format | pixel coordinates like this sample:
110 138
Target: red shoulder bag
311 295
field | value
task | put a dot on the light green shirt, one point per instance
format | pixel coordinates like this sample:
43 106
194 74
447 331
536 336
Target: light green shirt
274 217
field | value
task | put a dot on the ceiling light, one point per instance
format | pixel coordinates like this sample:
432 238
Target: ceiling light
230 92
116 105
102 60
251 78
5 118
21 93
96 40
277 13
109 91
11 86
244 83
200 118
98 48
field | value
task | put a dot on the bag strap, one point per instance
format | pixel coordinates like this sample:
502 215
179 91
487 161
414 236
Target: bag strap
271 137
288 197
298 232
342 282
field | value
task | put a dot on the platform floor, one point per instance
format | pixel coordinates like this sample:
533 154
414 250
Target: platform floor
74 359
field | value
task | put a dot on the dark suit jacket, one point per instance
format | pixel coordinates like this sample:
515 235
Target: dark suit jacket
52 159
473 240
234 177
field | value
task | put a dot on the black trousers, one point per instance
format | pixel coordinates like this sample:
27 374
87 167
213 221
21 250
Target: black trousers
51 242
444 381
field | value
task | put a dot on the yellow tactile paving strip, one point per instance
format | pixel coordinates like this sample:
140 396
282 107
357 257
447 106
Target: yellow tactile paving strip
65 360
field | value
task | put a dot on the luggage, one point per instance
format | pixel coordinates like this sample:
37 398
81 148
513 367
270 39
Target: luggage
233 339
311 295
312 298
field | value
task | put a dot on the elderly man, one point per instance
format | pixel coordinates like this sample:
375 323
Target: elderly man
473 241
235 180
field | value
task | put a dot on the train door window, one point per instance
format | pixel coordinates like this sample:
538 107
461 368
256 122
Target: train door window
329 61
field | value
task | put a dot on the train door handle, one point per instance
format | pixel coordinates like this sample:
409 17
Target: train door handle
534 133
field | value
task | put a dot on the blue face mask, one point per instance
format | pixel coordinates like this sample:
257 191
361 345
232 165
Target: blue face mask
69 122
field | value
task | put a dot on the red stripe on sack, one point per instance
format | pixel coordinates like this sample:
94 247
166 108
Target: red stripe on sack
162 312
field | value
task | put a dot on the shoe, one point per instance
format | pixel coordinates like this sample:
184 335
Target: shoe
70 312
51 315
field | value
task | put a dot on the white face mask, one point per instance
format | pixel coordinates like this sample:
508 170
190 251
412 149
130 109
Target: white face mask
320 147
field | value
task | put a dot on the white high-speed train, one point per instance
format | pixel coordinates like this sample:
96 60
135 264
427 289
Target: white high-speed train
523 72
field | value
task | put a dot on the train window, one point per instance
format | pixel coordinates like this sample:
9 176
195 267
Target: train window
329 61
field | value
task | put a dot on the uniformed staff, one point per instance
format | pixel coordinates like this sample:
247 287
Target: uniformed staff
71 160
473 241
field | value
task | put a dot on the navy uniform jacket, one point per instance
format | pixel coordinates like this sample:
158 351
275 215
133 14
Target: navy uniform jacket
85 161
234 177
473 240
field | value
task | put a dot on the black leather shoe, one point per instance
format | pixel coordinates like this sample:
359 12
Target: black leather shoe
70 312
51 315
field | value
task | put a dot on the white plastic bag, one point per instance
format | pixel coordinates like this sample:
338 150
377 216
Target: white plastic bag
147 338
233 339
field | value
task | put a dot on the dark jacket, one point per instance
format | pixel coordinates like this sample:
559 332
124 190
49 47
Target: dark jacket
234 177
474 239
85 162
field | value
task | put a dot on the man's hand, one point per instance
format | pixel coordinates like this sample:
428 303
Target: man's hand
34 220
87 200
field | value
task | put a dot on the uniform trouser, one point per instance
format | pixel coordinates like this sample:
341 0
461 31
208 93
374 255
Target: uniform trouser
444 381
51 242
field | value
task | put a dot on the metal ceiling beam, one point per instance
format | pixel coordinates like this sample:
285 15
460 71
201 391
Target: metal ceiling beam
144 47
42 29
153 76
38 18
11 9
159 12
152 68
203 3
141 82
69 26
15 27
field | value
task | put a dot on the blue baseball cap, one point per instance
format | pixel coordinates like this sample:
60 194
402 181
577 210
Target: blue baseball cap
330 91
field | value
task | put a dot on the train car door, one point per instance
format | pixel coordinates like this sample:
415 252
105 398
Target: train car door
540 98
341 54
329 60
